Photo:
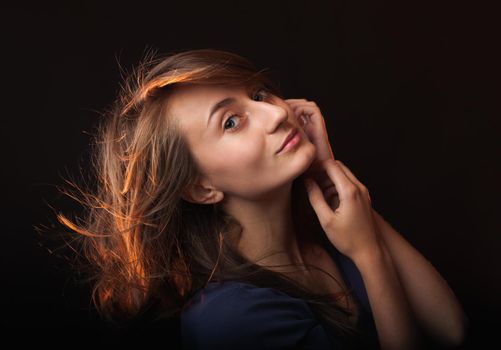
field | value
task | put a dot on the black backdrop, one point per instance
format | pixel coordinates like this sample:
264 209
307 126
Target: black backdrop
409 92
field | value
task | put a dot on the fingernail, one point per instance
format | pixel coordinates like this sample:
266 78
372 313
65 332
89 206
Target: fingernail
303 120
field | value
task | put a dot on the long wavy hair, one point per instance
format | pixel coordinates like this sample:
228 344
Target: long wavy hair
146 250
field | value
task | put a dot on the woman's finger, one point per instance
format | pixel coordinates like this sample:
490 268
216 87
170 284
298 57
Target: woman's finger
330 191
303 103
312 122
352 177
340 183
344 186
327 184
315 129
312 112
303 117
317 201
350 174
295 100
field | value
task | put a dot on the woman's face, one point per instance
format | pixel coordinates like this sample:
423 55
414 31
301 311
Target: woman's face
236 145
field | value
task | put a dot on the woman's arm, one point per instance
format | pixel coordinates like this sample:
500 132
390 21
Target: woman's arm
428 294
396 325
351 228
433 302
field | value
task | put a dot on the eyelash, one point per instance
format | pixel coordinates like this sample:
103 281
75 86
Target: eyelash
234 115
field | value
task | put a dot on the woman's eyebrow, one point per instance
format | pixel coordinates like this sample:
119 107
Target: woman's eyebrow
219 105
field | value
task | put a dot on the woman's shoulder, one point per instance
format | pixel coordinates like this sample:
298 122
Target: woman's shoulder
233 313
234 298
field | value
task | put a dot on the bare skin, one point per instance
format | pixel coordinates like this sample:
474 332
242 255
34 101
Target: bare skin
241 171
251 181
406 293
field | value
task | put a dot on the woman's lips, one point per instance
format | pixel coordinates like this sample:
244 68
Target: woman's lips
296 138
289 136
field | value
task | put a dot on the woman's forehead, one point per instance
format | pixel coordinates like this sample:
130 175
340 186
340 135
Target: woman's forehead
198 96
191 104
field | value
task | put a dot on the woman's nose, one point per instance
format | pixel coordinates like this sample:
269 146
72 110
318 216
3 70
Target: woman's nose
274 116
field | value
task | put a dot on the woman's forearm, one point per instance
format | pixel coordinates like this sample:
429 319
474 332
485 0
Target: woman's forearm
395 323
433 302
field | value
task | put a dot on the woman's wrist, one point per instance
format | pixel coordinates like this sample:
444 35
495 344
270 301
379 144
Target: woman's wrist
368 257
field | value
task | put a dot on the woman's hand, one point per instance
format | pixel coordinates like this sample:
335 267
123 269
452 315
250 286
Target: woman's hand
311 120
350 227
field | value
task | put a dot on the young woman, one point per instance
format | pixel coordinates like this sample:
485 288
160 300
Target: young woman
220 202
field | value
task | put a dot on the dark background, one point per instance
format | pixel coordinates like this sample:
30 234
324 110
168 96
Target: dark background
409 92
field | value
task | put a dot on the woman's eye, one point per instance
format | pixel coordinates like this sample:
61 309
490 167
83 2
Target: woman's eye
261 92
229 119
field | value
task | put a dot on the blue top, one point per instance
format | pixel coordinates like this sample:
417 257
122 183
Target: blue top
238 315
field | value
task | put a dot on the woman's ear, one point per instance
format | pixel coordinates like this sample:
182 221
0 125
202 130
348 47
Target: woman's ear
202 194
